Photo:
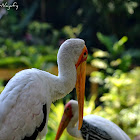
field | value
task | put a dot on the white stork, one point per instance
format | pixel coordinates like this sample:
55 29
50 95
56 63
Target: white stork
93 127
25 101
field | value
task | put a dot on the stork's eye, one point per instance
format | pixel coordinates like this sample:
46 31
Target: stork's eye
67 109
85 54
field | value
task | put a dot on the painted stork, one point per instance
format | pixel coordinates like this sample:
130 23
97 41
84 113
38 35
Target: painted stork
93 127
25 101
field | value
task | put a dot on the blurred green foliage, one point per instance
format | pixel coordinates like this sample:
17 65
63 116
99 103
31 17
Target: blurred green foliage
1 86
102 16
121 102
38 48
109 61
119 91
15 54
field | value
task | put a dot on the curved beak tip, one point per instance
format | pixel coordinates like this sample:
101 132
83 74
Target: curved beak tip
63 124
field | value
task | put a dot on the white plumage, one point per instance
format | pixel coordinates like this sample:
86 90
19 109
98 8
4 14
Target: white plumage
25 101
93 127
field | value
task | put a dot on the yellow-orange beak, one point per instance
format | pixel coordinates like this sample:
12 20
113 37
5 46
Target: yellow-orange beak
80 90
80 84
63 124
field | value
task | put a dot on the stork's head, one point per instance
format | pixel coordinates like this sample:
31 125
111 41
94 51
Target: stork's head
73 48
70 113
77 52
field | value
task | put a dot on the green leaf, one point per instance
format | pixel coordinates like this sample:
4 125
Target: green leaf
107 41
118 47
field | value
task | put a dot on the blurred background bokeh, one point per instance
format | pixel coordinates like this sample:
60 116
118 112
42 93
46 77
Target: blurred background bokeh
30 36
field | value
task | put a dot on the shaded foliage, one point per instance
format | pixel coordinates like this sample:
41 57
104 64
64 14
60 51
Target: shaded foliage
32 50
117 18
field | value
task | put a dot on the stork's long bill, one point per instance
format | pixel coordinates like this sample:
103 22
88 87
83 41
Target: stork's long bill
67 115
80 83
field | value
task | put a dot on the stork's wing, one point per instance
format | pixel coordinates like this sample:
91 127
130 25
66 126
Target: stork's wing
98 128
22 109
91 132
40 128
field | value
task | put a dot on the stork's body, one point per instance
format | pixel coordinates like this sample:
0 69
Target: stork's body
25 102
93 127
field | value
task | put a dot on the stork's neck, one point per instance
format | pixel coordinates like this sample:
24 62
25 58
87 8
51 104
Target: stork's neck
72 128
66 79
66 68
